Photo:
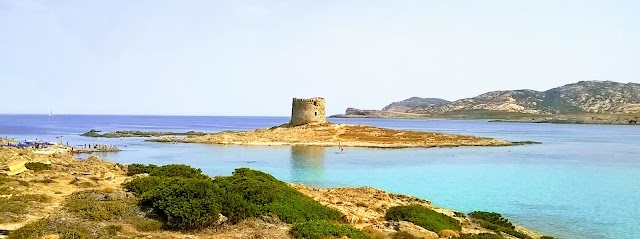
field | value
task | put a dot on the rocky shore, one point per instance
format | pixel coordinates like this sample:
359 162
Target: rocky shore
328 134
135 133
61 196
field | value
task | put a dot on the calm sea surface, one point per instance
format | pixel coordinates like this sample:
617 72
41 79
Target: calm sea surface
583 181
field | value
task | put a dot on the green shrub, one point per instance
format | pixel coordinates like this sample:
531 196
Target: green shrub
184 198
458 214
249 193
139 186
325 229
547 237
184 203
424 217
481 236
94 205
178 170
495 222
136 168
37 166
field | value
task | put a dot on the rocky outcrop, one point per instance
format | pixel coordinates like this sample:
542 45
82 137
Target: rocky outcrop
412 103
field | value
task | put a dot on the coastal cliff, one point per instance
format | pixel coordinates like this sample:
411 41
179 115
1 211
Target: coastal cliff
582 101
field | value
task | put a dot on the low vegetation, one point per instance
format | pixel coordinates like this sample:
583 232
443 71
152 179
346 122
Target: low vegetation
424 217
184 198
251 193
481 236
136 168
100 206
184 203
495 222
90 214
13 208
325 229
37 166
65 229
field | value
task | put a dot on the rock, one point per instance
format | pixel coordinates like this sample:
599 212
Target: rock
416 231
448 233
221 219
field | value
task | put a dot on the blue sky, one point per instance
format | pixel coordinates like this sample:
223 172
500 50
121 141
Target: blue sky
251 57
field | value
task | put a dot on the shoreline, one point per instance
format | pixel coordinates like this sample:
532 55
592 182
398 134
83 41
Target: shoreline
98 174
499 117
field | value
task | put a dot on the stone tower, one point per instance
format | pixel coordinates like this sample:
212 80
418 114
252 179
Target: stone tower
304 111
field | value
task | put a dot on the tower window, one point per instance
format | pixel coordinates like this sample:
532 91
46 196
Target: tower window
315 103
316 113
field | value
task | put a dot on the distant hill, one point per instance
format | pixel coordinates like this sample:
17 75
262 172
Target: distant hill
413 103
581 97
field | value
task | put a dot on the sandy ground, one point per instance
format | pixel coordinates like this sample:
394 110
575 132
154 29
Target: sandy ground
328 134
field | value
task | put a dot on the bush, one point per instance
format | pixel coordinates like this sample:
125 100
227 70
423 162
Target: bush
249 193
184 203
37 166
424 217
481 236
95 205
547 237
495 222
325 229
136 168
139 186
178 170
184 198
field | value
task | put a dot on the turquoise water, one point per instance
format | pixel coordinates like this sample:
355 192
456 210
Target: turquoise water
582 182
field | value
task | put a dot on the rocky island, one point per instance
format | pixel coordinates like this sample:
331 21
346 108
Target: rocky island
584 102
308 126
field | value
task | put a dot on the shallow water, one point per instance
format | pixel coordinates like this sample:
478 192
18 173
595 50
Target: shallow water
582 182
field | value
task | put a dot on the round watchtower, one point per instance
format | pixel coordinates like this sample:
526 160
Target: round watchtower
305 111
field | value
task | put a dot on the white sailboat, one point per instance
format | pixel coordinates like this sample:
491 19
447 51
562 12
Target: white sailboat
50 113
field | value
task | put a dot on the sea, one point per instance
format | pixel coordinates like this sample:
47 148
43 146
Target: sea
582 181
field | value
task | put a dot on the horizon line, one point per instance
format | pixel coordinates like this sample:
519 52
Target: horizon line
161 115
